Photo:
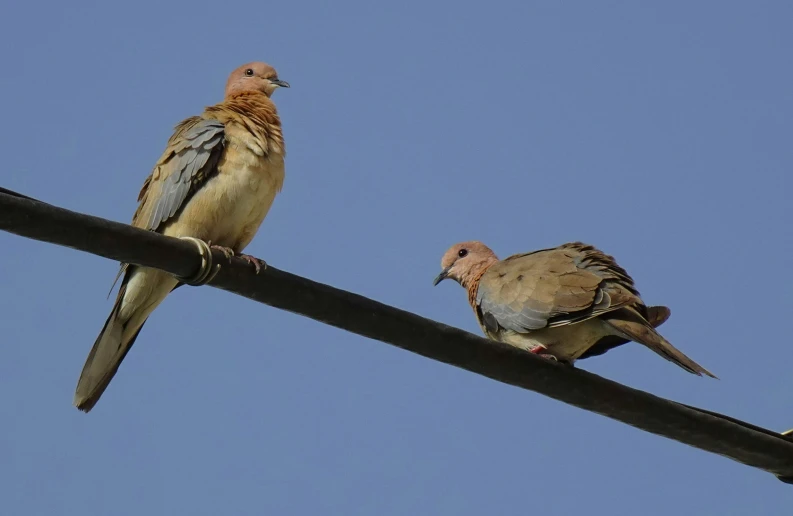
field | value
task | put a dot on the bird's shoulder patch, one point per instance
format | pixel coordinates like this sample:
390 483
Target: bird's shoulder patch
189 161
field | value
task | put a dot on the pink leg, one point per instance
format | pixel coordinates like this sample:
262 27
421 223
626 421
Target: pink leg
227 251
539 350
256 262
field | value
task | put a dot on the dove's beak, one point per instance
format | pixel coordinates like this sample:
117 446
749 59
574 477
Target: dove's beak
442 276
279 82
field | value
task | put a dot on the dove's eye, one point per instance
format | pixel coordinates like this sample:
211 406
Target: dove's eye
462 253
249 72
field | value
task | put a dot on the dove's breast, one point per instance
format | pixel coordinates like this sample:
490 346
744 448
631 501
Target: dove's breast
232 205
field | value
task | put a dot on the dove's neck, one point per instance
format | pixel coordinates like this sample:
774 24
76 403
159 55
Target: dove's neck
471 277
256 113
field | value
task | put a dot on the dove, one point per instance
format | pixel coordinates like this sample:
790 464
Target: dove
566 303
216 182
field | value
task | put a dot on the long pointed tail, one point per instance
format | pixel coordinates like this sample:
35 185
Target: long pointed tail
639 331
104 360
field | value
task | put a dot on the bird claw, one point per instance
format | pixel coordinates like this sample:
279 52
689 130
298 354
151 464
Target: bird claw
227 251
257 263
539 352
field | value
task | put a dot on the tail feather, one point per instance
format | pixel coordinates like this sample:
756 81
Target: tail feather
656 316
637 330
141 291
104 360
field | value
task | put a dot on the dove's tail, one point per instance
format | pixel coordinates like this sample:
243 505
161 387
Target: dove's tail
637 330
103 361
141 291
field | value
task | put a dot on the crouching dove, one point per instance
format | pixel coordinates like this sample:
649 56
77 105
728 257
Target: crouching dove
215 181
566 303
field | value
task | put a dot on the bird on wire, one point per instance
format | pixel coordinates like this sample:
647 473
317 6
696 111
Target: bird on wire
216 181
566 303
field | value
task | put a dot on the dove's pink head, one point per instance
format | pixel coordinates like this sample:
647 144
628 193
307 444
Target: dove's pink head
465 263
254 77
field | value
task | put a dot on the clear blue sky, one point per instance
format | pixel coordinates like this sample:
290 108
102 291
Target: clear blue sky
658 131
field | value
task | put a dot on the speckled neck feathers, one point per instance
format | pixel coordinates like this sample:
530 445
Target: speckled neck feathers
257 113
471 277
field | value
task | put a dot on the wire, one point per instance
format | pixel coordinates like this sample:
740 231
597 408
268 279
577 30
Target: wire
716 433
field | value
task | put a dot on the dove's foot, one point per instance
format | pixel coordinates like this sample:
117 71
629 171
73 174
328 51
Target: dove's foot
256 262
541 351
228 252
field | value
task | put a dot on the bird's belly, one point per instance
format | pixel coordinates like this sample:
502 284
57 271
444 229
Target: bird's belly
246 200
566 343
231 206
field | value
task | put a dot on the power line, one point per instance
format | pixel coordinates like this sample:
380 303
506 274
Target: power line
716 433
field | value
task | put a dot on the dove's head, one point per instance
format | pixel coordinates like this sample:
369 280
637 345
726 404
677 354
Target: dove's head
465 263
255 76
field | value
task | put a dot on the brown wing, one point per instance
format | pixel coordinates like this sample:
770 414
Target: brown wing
553 287
189 161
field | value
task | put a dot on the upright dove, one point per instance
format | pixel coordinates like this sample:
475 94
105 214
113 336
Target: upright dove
566 303
216 181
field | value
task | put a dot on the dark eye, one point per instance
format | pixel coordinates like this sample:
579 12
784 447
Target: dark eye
462 253
249 72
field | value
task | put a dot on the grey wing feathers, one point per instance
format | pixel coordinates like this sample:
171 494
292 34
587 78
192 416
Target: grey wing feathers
194 159
528 318
536 316
552 287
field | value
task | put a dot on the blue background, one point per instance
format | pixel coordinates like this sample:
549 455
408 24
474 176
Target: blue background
659 131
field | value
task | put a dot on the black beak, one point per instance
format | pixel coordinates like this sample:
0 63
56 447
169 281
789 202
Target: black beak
442 276
279 82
